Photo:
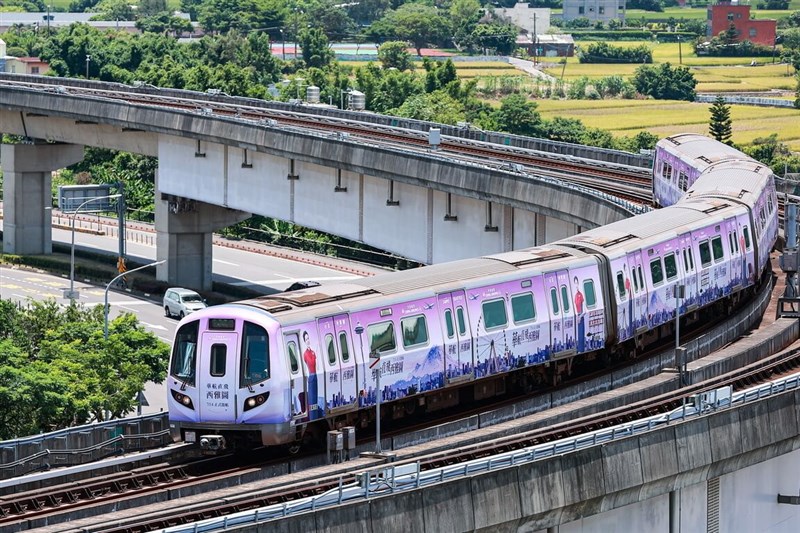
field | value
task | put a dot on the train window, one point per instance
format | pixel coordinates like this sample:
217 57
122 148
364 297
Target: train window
716 247
641 278
682 181
656 271
670 266
565 298
294 361
448 322
746 237
523 308
217 360
705 254
621 286
736 242
462 323
769 204
589 294
691 260
494 314
255 354
415 331
381 337
343 347
183 353
330 348
685 261
554 301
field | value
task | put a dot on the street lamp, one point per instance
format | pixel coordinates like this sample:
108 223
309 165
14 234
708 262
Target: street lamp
283 45
88 59
71 294
110 283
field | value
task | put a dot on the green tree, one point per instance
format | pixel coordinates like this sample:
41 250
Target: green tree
496 36
663 82
464 15
57 369
316 48
438 106
417 23
720 125
394 54
519 116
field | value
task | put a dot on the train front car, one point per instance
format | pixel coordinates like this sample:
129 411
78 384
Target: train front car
225 386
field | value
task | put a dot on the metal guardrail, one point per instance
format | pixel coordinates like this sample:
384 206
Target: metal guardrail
745 100
393 479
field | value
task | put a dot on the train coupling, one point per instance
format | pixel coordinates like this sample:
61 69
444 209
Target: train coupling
212 443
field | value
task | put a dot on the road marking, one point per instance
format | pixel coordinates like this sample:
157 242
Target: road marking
292 280
168 341
226 262
124 303
154 326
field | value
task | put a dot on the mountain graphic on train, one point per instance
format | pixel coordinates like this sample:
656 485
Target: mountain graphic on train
285 368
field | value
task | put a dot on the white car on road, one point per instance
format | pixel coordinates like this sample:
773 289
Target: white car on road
181 302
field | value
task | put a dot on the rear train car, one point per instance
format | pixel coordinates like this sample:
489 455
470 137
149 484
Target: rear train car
680 159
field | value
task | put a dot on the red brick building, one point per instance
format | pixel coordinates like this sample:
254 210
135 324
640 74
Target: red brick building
721 16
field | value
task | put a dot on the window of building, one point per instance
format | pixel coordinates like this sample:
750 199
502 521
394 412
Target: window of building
752 32
34 70
601 10
580 10
730 17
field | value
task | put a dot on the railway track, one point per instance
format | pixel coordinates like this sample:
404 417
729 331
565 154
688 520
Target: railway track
629 183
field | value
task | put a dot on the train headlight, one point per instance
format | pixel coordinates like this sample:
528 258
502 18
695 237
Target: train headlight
255 401
182 399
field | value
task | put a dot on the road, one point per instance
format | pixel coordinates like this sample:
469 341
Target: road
261 272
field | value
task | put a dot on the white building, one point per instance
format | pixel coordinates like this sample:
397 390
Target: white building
594 10
534 20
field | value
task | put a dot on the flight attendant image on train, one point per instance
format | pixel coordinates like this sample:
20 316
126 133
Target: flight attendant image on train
310 359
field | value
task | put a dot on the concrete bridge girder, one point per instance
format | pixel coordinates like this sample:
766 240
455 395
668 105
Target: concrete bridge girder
27 179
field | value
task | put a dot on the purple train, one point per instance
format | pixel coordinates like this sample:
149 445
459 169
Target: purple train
680 160
287 367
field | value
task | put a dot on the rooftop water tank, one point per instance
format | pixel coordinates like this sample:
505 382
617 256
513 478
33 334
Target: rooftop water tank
357 101
312 94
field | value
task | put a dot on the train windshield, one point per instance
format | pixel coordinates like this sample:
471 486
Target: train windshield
184 353
255 355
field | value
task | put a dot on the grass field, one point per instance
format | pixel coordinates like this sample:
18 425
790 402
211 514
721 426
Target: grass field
667 117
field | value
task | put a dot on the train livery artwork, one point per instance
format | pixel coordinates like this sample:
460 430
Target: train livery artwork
283 369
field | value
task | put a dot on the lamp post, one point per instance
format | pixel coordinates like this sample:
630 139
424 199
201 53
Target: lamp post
110 283
88 59
71 294
283 45
680 51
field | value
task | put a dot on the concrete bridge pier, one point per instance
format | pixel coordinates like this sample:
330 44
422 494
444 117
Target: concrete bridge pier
27 188
184 230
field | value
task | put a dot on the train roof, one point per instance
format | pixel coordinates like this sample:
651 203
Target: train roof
637 232
311 302
741 179
698 149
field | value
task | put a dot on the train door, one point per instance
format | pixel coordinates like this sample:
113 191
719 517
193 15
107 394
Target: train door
686 260
557 333
457 341
347 359
297 377
637 302
331 386
738 274
217 376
